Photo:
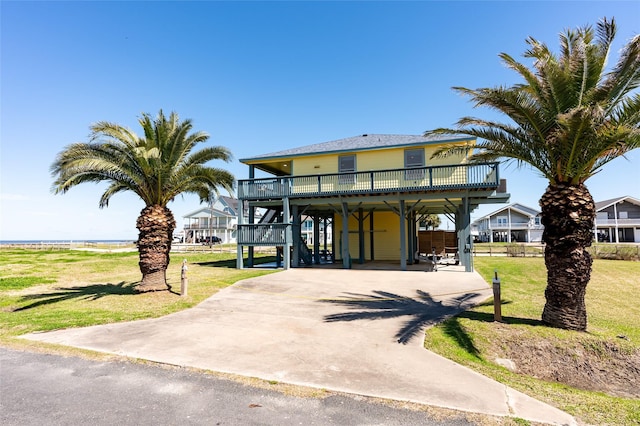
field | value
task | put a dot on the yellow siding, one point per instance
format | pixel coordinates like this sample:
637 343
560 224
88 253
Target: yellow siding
316 165
387 240
367 160
386 237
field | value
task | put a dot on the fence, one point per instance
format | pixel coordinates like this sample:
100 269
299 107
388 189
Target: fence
598 251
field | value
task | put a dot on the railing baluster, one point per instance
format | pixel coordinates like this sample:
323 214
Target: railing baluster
439 177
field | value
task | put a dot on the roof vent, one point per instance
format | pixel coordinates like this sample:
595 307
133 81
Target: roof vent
365 135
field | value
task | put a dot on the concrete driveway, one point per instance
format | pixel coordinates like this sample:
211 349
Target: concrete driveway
356 331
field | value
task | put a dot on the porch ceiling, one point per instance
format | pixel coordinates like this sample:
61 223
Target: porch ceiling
428 203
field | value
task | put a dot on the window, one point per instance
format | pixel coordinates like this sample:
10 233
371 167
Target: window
537 220
347 164
502 221
414 158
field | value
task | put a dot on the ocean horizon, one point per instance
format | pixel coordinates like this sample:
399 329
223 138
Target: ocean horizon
66 241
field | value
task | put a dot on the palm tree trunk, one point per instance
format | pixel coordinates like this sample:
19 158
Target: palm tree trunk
568 214
156 225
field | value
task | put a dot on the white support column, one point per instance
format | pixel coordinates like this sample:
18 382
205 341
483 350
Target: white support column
615 218
509 227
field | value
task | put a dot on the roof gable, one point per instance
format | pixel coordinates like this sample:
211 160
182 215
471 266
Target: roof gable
360 143
207 212
521 208
601 205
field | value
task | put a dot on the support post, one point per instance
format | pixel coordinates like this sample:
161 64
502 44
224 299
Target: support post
346 260
403 239
316 239
288 236
252 216
361 236
371 236
296 236
239 251
411 236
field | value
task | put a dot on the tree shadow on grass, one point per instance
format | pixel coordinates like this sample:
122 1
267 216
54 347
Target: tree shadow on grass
422 310
232 262
456 331
90 292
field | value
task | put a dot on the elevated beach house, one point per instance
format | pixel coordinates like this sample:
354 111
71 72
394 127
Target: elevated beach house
373 189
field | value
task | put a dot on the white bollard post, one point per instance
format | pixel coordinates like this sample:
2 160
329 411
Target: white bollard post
183 279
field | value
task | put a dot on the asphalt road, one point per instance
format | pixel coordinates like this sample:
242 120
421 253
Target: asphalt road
42 389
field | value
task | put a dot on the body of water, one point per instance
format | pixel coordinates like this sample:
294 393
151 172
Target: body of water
14 242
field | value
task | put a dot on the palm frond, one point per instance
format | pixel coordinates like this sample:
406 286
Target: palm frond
156 167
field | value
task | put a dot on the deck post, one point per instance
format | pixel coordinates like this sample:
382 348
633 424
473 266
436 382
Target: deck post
252 218
403 238
361 236
411 231
296 236
316 239
346 261
239 255
463 228
371 236
286 216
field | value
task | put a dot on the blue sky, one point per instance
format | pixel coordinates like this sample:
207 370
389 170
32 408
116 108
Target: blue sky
258 77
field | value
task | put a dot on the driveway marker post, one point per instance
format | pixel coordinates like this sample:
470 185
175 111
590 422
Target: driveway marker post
183 279
497 303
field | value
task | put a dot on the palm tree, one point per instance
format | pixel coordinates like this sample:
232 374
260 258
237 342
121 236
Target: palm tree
156 167
569 118
430 221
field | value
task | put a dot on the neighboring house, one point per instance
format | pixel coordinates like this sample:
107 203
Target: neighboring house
513 223
220 220
206 222
373 189
618 220
308 232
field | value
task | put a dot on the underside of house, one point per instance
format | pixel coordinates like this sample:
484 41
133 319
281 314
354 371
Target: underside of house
374 214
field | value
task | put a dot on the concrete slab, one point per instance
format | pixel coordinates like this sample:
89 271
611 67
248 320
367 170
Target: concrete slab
357 331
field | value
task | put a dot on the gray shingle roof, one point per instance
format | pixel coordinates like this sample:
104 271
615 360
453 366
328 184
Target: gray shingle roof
359 143
606 203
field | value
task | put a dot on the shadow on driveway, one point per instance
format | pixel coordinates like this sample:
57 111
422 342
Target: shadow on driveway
423 310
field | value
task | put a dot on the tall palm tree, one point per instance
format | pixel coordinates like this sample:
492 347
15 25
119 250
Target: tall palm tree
569 118
157 167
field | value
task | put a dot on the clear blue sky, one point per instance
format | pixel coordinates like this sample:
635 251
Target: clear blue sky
258 77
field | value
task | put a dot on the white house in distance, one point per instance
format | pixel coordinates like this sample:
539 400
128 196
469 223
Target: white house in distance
219 219
513 223
618 220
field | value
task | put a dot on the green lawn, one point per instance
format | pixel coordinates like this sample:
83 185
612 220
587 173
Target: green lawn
473 339
46 290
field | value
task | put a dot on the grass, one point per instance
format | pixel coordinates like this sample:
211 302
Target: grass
45 290
472 337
